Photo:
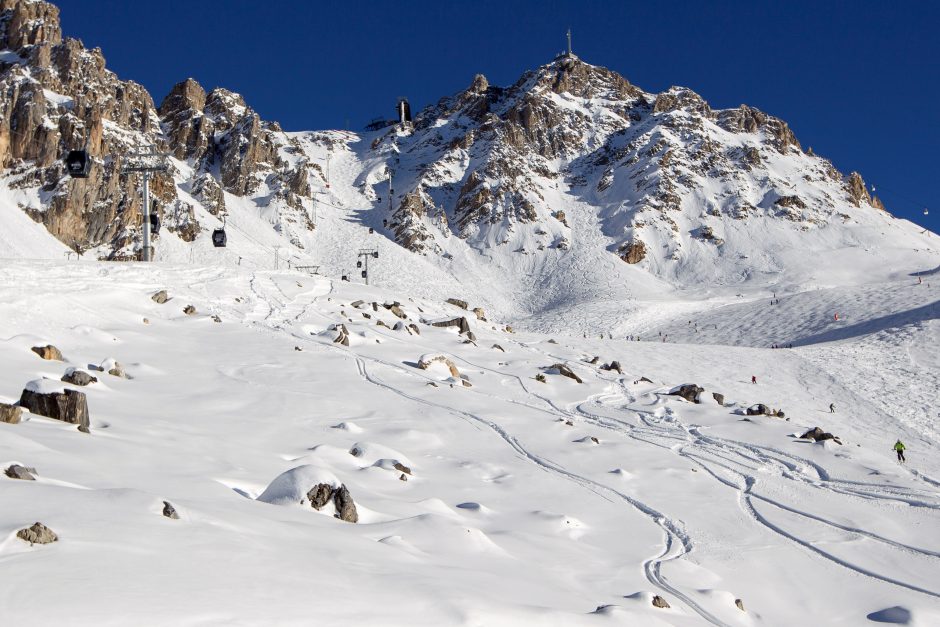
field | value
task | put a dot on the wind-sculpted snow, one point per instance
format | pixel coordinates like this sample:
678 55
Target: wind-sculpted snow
507 502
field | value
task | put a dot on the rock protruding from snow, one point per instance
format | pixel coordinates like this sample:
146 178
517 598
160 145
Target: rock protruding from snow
15 471
78 377
564 371
10 414
345 507
430 359
38 533
614 365
688 391
479 313
312 484
461 323
342 336
319 495
169 511
739 604
45 398
189 310
160 297
719 398
458 303
48 352
660 602
114 368
818 435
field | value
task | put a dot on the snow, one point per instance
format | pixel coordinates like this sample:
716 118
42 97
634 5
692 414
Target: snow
510 515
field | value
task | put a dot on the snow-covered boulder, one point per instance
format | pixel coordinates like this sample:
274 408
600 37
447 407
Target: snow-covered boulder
51 399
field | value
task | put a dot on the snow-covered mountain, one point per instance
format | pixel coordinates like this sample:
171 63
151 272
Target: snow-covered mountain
555 402
568 189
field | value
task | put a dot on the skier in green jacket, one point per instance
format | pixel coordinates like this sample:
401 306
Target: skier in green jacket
899 447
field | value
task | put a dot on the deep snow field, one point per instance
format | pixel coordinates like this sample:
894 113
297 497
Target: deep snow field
552 503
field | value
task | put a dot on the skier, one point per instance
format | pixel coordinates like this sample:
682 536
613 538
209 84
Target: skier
832 408
837 316
753 379
899 447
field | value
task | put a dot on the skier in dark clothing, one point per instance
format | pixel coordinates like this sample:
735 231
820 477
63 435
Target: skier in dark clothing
832 408
753 379
899 447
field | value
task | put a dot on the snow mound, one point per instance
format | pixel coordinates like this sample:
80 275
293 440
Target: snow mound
291 487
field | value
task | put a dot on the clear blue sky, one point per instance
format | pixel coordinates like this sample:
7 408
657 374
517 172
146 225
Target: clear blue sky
857 81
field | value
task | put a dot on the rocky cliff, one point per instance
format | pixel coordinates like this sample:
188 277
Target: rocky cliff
663 172
56 95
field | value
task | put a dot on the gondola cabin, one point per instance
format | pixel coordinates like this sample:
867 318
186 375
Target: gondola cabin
218 238
78 164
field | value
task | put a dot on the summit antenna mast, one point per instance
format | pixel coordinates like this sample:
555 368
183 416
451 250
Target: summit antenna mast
569 42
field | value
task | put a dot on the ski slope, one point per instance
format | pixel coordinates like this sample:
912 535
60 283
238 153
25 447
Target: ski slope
511 514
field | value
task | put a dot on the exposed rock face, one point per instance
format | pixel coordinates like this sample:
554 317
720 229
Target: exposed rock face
160 297
345 507
457 302
78 377
10 414
688 391
635 252
38 533
818 435
402 468
660 602
55 95
427 361
319 495
169 511
342 336
461 323
758 409
68 406
719 398
565 371
23 473
49 352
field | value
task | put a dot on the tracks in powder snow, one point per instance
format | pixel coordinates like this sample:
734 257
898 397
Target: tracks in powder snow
676 541
735 464
732 463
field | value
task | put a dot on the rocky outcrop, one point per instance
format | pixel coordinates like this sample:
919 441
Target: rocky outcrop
688 391
15 471
10 414
632 253
169 511
321 494
342 336
160 297
48 352
660 602
38 533
345 507
78 377
44 398
461 323
818 435
458 303
565 371
56 95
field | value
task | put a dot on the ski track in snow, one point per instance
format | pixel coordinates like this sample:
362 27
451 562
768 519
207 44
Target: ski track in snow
677 542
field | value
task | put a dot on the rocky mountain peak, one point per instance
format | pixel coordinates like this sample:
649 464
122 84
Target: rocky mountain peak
185 95
28 23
